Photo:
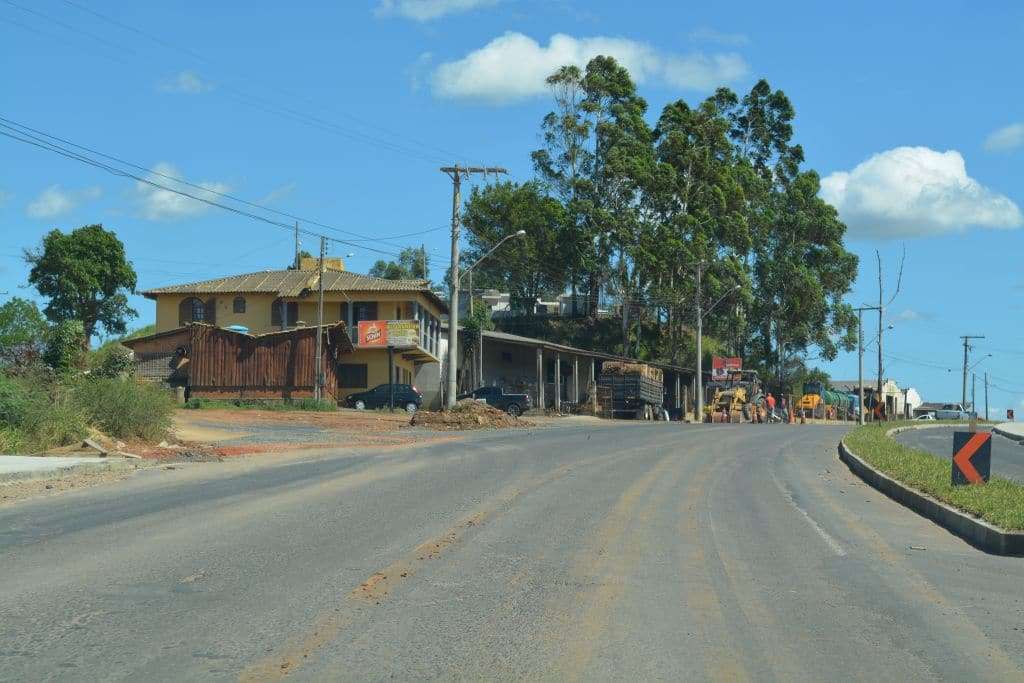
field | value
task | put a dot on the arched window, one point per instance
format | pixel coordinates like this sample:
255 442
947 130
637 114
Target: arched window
195 310
239 304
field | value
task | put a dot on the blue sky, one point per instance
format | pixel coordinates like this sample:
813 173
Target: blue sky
342 113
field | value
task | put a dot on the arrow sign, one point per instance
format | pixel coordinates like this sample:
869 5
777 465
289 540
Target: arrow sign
972 457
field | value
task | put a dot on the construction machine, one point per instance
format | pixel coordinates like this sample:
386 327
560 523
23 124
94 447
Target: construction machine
820 402
737 399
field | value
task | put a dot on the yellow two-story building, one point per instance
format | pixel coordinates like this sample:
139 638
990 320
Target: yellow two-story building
275 300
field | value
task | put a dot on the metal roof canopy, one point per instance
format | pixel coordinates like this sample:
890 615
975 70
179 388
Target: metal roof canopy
553 346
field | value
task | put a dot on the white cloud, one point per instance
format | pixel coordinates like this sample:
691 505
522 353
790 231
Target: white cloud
914 192
425 10
514 66
1005 138
706 34
910 315
158 204
56 201
278 193
186 83
5 197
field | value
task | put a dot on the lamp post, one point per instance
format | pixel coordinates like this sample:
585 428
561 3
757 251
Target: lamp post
974 406
469 274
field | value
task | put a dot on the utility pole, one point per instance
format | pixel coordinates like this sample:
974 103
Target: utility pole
986 396
860 355
297 247
967 346
974 385
455 173
700 353
320 323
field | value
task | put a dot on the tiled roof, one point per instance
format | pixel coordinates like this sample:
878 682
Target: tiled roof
292 283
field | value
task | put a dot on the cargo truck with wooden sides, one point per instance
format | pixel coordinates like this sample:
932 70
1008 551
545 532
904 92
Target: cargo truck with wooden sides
630 390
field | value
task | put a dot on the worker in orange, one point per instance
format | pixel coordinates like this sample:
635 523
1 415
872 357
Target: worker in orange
770 400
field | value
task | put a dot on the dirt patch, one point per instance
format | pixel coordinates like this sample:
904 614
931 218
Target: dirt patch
467 414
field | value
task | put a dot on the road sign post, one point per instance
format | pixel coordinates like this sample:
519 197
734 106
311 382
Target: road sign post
972 457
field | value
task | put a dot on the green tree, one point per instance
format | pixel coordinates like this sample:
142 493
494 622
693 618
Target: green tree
413 264
525 267
22 332
86 277
66 346
799 266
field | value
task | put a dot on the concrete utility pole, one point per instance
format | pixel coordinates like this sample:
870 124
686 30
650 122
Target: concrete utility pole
860 355
318 384
455 173
699 405
986 396
967 347
297 243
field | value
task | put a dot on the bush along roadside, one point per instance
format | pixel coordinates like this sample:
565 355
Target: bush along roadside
308 404
999 502
41 409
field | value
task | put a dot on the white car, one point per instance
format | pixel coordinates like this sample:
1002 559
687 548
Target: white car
925 417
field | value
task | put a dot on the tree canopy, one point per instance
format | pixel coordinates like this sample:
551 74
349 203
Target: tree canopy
86 277
623 211
22 331
413 264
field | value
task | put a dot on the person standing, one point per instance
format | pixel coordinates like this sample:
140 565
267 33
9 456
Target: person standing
770 400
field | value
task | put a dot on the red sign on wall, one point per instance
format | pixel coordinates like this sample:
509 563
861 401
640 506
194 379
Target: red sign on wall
373 333
722 366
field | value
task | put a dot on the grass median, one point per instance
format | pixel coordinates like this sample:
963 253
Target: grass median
999 502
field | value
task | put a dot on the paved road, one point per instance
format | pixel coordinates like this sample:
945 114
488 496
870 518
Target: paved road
1007 455
634 552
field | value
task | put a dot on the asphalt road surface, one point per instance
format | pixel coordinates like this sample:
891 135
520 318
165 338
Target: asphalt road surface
1007 455
628 552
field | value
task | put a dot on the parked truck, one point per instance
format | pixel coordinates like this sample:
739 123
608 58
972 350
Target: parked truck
513 404
820 402
952 411
630 390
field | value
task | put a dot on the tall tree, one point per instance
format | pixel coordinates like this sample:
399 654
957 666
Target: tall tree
526 267
413 264
86 277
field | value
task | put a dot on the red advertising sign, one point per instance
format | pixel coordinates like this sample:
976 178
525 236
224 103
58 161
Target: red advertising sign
373 333
722 366
1009 413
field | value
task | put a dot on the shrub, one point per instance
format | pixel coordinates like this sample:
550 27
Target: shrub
111 360
65 346
322 406
37 413
124 408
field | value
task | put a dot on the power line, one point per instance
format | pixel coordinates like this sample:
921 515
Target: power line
248 98
42 144
15 126
195 55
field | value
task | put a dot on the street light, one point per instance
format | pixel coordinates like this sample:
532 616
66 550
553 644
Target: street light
454 332
700 333
974 405
469 271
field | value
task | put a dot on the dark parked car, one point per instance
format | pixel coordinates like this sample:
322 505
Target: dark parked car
513 404
407 397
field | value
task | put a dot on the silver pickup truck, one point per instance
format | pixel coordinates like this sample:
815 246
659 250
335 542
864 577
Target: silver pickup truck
952 411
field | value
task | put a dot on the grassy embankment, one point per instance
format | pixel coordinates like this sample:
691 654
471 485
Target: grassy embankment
1000 501
40 410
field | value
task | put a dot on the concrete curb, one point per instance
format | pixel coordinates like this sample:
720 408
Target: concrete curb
1009 435
978 533
61 472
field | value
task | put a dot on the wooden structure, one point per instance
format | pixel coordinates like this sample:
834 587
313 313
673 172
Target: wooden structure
211 362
